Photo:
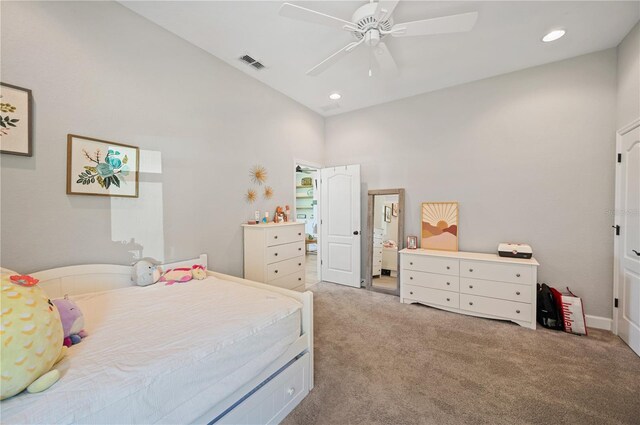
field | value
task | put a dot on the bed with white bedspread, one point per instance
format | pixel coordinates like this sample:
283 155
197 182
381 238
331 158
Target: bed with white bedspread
215 349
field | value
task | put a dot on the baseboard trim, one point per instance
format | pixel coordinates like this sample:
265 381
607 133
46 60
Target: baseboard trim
598 322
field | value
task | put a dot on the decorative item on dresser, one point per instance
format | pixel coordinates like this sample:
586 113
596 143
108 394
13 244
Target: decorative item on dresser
274 253
476 284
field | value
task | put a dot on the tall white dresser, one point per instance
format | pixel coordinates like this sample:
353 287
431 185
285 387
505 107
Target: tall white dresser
275 254
476 284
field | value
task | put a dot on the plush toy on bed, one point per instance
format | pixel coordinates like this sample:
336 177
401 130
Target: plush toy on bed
31 337
72 321
184 274
198 272
146 271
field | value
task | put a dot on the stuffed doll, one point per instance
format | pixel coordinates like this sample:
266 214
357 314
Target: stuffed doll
179 274
72 321
198 272
146 271
31 337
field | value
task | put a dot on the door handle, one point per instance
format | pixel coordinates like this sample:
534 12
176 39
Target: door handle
637 253
355 232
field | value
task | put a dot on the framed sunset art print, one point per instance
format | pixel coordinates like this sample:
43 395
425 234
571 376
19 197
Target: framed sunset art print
440 226
101 168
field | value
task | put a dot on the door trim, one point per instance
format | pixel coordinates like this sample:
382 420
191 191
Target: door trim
368 284
616 252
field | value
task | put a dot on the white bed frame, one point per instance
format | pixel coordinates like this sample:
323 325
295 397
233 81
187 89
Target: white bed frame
82 279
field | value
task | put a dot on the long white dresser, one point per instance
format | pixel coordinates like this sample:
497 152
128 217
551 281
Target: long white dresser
275 254
476 284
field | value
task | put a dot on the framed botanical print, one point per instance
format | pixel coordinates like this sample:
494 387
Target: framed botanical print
440 226
102 168
394 209
15 120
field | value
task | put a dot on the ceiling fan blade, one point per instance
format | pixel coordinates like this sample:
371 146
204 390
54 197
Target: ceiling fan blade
444 25
385 9
322 66
385 61
303 14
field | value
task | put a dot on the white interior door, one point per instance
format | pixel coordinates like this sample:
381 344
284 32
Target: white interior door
628 241
340 229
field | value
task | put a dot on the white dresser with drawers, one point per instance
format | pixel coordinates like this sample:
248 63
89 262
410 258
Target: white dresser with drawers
275 254
476 284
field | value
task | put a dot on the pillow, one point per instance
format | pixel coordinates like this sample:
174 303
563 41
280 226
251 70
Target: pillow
179 274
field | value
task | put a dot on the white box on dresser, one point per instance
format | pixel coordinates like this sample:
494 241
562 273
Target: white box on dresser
476 284
275 254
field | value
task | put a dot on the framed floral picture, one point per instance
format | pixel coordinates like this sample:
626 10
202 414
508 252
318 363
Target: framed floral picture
15 120
440 226
101 168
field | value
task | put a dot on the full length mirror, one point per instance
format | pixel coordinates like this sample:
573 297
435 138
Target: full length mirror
385 235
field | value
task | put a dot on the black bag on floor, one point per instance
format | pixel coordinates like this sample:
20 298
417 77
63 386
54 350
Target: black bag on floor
548 314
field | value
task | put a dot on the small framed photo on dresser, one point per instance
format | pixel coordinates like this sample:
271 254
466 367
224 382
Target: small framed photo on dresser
412 242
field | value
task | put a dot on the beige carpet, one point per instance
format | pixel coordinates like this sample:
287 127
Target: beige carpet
381 362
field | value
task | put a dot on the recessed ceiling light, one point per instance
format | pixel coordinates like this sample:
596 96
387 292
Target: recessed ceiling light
335 96
553 35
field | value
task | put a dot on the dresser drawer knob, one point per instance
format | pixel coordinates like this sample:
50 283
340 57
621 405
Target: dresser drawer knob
299 264
276 254
411 263
448 299
299 249
470 286
299 234
470 303
299 278
448 268
276 271
517 274
275 237
410 277
448 283
411 292
517 292
518 311
471 270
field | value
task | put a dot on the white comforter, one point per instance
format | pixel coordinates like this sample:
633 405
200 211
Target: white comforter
162 353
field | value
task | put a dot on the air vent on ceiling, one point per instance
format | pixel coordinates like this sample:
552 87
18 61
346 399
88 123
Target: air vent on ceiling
251 61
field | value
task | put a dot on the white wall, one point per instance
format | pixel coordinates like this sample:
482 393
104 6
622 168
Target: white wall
629 77
528 155
99 70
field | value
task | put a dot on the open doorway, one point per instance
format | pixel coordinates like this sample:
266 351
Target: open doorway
307 211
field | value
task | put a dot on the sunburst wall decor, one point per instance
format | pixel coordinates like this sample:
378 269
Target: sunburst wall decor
440 226
258 174
268 192
250 196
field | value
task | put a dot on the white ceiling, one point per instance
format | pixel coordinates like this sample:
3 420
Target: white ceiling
506 38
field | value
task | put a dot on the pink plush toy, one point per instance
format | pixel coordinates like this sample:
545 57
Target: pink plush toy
179 274
198 272
72 321
183 274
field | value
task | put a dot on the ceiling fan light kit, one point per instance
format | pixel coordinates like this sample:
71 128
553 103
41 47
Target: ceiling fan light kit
371 23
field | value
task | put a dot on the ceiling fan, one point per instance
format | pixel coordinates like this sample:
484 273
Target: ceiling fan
371 23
